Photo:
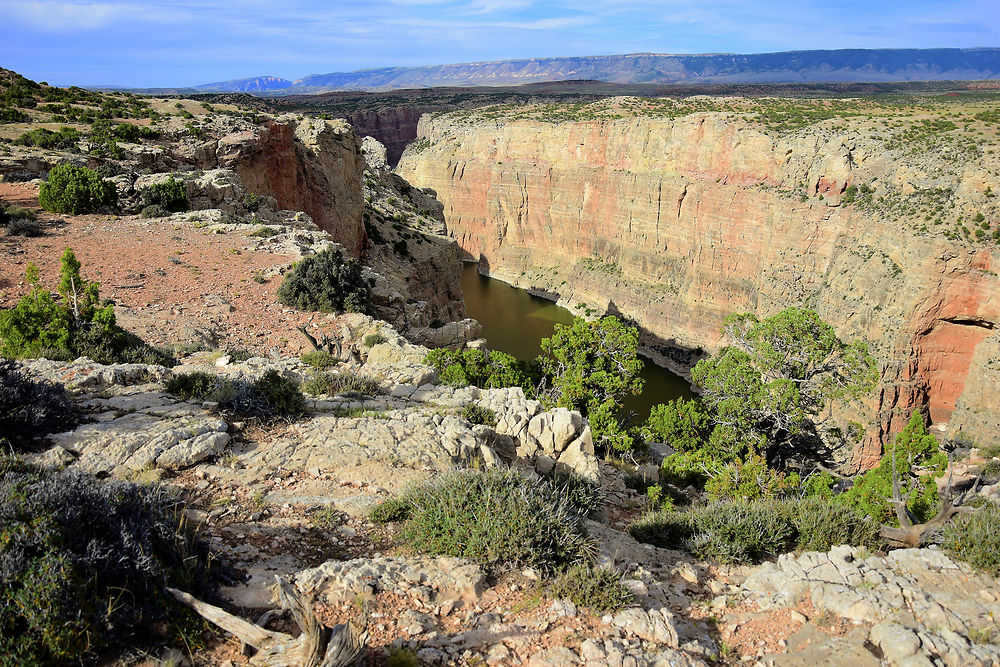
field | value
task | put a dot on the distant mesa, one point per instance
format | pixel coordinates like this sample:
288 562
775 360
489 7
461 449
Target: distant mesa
255 85
843 65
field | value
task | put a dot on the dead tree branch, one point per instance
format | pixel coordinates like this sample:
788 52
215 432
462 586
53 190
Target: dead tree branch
316 646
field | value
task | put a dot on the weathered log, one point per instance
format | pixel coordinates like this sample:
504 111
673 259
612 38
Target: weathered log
316 646
913 534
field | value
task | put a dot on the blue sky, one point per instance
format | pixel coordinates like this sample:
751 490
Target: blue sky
185 42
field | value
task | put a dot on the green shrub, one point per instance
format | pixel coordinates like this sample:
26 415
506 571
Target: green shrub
270 396
170 196
400 656
281 395
477 414
486 369
23 227
30 408
749 479
77 324
682 423
600 590
821 525
975 538
914 446
153 211
344 382
328 283
585 496
83 563
187 386
371 340
76 190
496 518
65 138
264 232
692 468
320 359
133 134
21 213
392 510
748 532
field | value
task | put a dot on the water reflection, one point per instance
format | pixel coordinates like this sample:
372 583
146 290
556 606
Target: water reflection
516 322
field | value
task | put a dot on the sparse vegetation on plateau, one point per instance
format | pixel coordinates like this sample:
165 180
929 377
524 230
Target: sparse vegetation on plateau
328 283
76 324
76 190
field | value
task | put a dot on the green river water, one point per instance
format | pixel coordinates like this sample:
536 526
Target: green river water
515 322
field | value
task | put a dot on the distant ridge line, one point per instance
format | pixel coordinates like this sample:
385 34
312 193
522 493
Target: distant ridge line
801 66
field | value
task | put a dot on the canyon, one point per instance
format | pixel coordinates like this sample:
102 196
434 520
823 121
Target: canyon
676 214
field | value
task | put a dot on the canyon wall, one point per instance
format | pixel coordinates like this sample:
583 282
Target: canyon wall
676 223
307 165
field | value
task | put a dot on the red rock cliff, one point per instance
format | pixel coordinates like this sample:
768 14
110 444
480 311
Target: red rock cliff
678 222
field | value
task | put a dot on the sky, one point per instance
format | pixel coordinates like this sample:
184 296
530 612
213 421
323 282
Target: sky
189 42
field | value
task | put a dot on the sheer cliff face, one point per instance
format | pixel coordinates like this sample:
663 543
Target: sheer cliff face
677 223
309 165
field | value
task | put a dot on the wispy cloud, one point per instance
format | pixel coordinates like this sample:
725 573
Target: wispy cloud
173 42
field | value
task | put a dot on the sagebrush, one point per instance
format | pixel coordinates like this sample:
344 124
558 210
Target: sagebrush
83 563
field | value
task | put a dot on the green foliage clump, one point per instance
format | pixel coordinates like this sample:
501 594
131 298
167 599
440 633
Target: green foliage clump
914 446
328 283
319 359
270 396
820 525
30 408
496 518
486 369
748 532
83 563
170 196
749 479
400 656
24 227
76 190
764 391
975 538
684 424
77 324
600 590
728 532
477 414
591 367
344 382
371 340
585 496
264 232
392 510
65 138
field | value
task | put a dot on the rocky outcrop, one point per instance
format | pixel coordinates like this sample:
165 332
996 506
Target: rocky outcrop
925 608
676 223
394 127
407 245
307 165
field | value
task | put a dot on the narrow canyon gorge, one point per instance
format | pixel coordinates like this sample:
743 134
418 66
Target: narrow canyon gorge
675 220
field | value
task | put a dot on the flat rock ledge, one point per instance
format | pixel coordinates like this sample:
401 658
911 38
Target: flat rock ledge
925 608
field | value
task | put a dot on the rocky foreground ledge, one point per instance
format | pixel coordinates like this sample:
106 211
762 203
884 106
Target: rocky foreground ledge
293 500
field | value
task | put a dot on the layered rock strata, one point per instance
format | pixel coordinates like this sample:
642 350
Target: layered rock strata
677 222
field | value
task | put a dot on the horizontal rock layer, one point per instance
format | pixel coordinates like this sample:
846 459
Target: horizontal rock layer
677 223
